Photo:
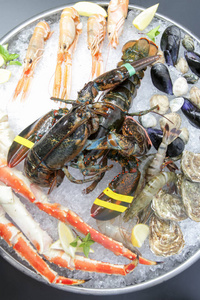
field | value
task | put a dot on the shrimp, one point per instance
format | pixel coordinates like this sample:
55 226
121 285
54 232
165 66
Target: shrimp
34 53
117 12
157 162
96 31
146 195
70 29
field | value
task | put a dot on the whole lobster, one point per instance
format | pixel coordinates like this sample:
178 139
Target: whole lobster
65 142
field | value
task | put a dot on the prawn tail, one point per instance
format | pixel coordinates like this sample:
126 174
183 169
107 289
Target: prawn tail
170 135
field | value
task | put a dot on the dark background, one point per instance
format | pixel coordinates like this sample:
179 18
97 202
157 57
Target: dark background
14 285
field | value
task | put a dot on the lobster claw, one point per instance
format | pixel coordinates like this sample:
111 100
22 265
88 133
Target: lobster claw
115 199
18 151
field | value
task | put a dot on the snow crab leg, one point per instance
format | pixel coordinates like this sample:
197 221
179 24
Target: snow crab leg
21 185
42 242
23 248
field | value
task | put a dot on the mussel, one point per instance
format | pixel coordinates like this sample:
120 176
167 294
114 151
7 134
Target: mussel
193 60
191 112
161 78
173 150
170 43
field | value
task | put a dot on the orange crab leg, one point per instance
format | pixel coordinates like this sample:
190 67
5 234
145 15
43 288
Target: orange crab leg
64 214
23 248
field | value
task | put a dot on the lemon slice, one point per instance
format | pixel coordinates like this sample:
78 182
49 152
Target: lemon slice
66 237
4 75
87 9
145 17
139 233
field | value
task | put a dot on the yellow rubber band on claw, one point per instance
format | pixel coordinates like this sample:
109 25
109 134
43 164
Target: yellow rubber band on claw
109 205
129 68
20 140
116 196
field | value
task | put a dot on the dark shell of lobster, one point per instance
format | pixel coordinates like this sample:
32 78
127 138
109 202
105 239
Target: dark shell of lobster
193 60
161 78
173 150
191 112
170 44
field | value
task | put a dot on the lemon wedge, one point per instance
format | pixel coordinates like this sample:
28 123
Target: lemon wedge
145 17
4 75
66 237
56 245
87 9
139 233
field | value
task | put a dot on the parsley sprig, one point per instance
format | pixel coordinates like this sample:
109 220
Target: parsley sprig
86 242
9 59
153 33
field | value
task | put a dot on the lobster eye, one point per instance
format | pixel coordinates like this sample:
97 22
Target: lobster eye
30 60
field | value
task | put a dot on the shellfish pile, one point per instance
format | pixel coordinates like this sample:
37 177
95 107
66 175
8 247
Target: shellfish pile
80 201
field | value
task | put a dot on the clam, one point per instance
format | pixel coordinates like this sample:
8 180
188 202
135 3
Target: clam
193 60
188 43
172 119
148 120
182 65
190 165
180 87
190 192
195 96
165 238
184 135
161 78
168 207
162 101
191 112
176 104
170 43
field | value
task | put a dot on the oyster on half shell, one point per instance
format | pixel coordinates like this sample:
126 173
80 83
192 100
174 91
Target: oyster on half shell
169 207
190 192
190 164
165 238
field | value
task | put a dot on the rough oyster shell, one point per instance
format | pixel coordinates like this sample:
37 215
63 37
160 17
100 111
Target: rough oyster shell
169 207
190 164
190 192
165 237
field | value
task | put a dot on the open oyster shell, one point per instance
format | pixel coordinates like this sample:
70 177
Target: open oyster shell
169 207
190 164
165 238
190 192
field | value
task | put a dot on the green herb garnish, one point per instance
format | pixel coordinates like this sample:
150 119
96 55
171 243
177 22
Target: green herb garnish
9 58
153 33
86 242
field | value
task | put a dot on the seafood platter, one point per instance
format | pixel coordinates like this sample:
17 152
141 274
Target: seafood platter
99 133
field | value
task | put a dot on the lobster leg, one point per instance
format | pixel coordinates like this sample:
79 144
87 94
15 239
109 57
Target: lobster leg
65 215
22 247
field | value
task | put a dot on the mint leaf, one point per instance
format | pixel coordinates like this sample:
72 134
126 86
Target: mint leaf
86 243
13 56
75 242
15 62
86 250
153 33
4 53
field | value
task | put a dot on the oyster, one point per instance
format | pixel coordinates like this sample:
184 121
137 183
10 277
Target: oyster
169 207
190 164
165 237
190 192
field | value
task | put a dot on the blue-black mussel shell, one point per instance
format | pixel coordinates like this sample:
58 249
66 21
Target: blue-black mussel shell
173 150
161 78
193 60
191 112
